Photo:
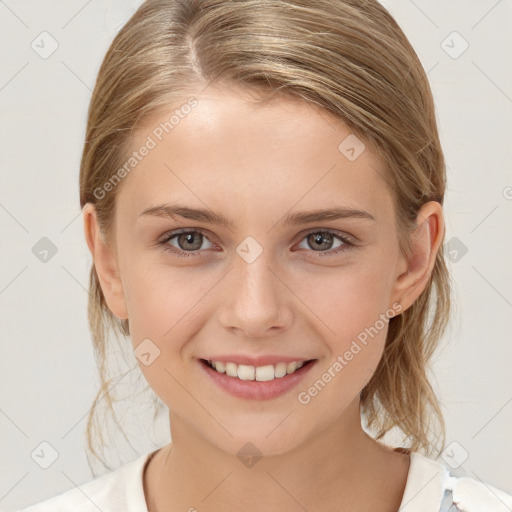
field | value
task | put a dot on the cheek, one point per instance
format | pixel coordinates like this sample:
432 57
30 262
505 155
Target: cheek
354 324
162 300
164 306
352 306
347 300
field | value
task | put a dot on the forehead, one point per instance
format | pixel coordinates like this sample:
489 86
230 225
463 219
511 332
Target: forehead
225 149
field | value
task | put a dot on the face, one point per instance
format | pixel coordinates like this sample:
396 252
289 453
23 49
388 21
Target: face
269 285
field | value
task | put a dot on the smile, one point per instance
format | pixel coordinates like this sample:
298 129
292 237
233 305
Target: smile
259 373
263 381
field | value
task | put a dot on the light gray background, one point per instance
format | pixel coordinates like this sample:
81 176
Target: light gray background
48 374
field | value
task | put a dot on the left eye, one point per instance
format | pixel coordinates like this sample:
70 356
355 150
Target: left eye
324 240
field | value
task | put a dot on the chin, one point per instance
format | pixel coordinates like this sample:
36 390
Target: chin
267 442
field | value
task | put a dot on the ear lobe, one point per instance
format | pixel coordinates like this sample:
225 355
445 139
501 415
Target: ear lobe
425 242
105 262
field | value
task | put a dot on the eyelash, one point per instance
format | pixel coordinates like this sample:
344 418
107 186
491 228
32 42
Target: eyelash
347 242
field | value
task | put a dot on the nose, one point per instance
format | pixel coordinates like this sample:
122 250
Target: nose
256 303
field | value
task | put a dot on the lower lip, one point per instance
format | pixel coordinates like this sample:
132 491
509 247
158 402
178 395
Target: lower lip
253 389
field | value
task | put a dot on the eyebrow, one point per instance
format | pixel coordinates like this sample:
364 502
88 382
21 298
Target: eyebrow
208 216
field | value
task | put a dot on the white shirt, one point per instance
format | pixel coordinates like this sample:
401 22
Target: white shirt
429 488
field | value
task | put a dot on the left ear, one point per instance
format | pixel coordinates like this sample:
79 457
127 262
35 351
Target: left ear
425 242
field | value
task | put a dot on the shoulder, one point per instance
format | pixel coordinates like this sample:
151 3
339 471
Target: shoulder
431 488
121 489
471 495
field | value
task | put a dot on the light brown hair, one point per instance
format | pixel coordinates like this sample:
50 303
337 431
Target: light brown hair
349 58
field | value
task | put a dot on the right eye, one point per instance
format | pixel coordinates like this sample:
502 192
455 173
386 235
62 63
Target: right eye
188 242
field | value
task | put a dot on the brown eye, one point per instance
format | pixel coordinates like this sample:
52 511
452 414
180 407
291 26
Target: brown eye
327 242
320 240
185 242
189 241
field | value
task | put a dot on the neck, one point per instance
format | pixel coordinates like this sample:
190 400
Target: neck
331 470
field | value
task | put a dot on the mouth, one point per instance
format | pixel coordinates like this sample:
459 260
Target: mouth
264 381
262 373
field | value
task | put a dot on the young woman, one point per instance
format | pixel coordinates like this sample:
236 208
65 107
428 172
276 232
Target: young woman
262 186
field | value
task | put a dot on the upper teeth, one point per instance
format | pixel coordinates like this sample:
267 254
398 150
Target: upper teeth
260 373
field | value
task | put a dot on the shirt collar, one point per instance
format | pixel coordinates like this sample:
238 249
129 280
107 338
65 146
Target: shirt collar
425 485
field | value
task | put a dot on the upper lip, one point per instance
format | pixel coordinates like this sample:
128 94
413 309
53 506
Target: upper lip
262 360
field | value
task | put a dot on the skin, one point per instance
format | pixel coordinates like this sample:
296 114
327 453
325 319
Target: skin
254 165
